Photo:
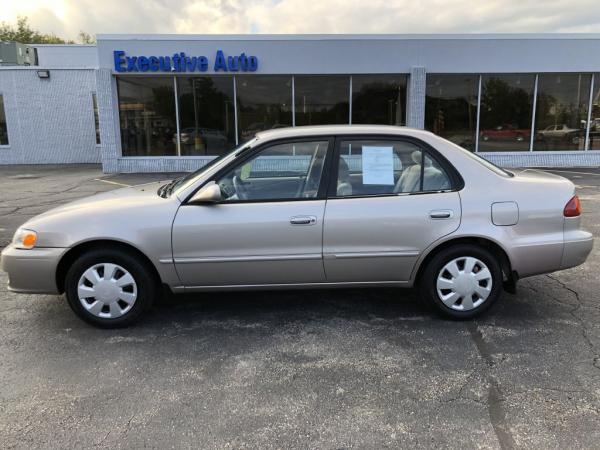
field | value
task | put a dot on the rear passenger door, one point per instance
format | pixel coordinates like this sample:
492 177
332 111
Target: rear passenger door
388 200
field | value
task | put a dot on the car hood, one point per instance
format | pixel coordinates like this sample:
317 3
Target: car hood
123 198
123 214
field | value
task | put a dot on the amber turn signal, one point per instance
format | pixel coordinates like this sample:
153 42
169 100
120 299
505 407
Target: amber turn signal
25 239
29 240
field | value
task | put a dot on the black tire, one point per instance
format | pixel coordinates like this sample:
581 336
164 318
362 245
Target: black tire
148 287
427 284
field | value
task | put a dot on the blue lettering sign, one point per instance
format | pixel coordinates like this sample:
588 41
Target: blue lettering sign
143 64
131 63
220 63
252 63
153 63
180 62
118 56
202 63
164 63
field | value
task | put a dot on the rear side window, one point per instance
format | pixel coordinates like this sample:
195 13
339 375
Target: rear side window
484 162
372 167
3 129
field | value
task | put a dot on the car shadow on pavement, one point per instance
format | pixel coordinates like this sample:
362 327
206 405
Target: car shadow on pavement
294 306
290 305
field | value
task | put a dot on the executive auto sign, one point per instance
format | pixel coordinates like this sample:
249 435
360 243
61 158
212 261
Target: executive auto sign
180 62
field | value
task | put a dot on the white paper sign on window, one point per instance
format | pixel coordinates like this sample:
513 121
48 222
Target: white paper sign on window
378 165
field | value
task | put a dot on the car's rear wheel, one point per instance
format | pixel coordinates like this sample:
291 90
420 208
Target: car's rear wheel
110 288
461 281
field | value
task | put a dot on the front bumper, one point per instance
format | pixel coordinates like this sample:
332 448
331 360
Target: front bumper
31 271
578 245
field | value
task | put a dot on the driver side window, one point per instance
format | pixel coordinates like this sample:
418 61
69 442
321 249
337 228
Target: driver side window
281 172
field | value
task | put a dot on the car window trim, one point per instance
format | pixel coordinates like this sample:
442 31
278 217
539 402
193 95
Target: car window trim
456 181
321 192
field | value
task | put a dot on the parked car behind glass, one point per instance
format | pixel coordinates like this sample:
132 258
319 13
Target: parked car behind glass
505 132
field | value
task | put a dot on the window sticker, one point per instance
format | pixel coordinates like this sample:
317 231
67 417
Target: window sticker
378 165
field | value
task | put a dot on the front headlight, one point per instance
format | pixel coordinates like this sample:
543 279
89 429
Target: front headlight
24 239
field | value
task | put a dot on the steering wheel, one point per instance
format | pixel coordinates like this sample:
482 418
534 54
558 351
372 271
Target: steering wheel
227 188
240 189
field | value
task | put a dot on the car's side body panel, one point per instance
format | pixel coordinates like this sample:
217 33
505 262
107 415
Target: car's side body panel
32 271
381 238
134 216
249 243
535 243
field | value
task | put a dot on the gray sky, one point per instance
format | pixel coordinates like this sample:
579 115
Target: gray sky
67 17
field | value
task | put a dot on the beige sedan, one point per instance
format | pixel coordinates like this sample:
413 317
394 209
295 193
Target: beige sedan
308 207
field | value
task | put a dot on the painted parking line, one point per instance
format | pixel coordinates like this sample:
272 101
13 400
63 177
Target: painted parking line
572 171
112 182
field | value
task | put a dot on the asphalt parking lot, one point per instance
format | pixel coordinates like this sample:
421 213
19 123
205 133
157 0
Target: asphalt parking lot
317 369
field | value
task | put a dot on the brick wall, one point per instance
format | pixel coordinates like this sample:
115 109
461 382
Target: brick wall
51 120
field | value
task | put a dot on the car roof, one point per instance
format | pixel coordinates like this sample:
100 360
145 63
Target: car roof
317 130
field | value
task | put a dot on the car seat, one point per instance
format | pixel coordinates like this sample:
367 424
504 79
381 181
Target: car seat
344 186
410 180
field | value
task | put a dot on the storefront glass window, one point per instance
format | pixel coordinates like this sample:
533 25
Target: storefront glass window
451 107
96 117
3 128
206 115
561 111
379 99
506 112
322 100
263 102
595 115
147 116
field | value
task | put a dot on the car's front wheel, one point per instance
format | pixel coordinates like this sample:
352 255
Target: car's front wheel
110 288
461 281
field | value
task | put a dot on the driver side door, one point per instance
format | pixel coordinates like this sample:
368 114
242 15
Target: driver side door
268 228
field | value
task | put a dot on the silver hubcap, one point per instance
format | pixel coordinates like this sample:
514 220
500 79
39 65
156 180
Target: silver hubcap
107 290
464 283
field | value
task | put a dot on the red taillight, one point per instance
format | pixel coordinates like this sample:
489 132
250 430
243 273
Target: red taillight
573 207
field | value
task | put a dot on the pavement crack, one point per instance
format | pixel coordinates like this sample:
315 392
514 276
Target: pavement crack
496 412
578 319
498 416
103 439
128 424
564 286
459 394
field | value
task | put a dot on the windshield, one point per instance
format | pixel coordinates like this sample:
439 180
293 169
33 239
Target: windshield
177 183
491 166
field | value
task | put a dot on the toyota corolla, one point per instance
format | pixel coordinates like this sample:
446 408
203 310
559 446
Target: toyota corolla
308 207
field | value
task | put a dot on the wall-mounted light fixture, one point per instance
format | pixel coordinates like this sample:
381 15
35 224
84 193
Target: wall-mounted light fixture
43 73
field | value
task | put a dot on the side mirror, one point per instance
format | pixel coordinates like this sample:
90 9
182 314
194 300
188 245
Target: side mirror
211 193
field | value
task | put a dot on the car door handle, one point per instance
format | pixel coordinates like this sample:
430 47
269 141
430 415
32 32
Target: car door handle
303 220
441 214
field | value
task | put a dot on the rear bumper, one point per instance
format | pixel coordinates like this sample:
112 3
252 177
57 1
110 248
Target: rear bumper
31 271
577 247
